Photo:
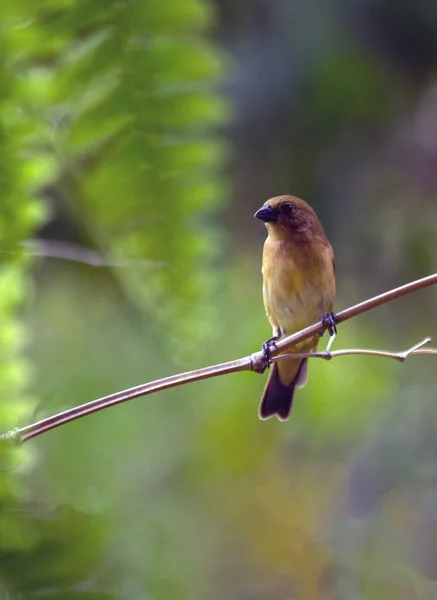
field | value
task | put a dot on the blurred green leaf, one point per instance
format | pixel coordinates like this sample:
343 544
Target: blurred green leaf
134 88
66 547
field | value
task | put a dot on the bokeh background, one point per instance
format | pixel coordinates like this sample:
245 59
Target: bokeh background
137 138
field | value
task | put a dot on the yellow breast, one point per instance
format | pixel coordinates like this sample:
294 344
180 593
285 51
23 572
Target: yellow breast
299 284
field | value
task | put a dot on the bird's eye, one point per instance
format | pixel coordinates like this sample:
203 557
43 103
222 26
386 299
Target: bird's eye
287 209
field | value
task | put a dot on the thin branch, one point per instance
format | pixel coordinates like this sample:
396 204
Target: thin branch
256 362
81 254
399 356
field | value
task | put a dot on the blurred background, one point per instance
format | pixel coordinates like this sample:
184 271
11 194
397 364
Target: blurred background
137 139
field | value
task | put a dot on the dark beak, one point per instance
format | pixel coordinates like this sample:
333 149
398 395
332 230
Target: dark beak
266 214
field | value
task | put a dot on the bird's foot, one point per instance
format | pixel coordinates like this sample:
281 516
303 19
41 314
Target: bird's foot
330 322
267 348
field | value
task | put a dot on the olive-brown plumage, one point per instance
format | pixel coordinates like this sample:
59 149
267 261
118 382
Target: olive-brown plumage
298 290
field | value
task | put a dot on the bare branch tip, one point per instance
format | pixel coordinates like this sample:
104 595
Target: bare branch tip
11 437
413 349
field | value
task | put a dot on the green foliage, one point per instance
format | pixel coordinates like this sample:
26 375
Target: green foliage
62 549
129 91
22 171
108 110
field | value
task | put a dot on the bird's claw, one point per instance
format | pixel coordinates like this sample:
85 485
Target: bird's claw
330 322
266 348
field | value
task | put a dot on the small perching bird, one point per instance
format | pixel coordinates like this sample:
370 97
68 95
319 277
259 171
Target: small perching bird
298 290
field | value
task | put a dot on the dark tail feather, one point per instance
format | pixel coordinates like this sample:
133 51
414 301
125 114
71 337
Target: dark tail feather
277 398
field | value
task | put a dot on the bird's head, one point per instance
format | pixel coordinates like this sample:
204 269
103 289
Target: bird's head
289 216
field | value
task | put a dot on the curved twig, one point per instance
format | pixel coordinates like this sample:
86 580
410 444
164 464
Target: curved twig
399 356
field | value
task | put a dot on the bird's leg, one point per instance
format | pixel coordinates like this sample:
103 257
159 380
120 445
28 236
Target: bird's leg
330 342
266 348
330 321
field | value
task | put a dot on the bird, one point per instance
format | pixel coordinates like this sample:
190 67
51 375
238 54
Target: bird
298 272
